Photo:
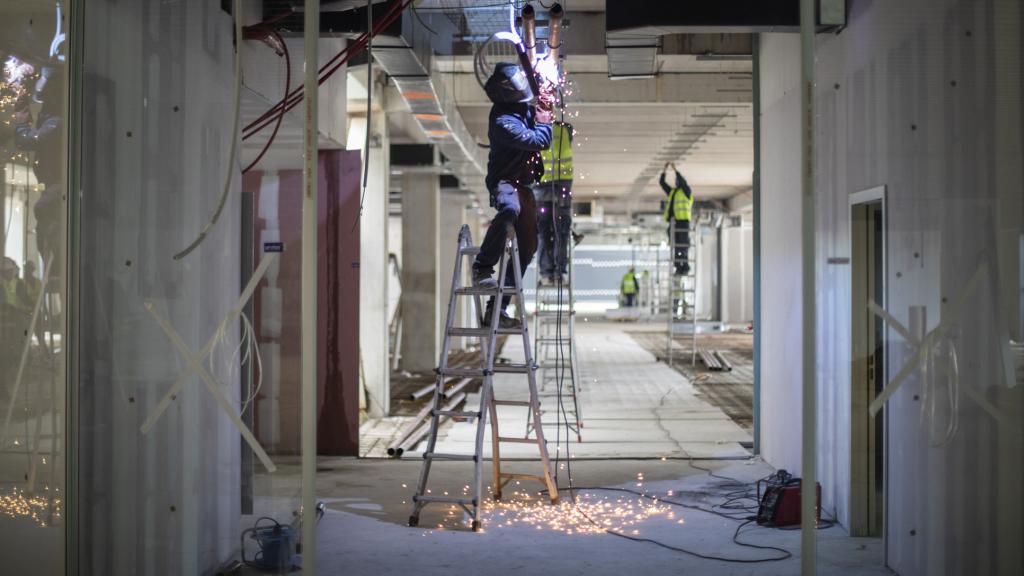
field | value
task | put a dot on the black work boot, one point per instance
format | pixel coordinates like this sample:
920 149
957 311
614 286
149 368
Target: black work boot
482 278
504 321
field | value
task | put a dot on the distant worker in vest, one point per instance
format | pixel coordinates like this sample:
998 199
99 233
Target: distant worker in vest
629 288
518 131
554 204
677 213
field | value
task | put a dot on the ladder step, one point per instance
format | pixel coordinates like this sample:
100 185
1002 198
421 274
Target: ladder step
481 291
443 499
469 250
457 414
481 372
454 457
513 368
463 372
481 332
524 403
554 312
513 476
518 440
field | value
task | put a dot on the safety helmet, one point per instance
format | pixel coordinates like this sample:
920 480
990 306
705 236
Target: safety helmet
508 84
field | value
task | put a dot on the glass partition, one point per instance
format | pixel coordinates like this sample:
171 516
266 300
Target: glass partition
33 226
189 453
921 216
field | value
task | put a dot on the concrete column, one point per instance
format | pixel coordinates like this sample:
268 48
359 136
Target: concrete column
421 280
373 273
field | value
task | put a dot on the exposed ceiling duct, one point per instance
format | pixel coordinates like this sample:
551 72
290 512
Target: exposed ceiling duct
406 54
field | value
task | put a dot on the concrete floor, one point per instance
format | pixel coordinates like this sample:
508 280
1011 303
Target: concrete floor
642 423
632 407
364 532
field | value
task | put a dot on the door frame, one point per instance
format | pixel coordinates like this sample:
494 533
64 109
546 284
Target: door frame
860 522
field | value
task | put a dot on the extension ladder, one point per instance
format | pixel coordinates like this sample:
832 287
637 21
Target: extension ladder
682 290
487 332
555 348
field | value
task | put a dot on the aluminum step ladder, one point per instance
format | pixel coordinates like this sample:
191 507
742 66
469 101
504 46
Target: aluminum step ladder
682 290
555 350
487 332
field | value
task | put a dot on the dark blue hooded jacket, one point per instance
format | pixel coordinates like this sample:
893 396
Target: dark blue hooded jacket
516 142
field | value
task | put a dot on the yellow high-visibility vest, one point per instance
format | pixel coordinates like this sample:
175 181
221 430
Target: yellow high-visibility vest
679 204
11 292
558 157
629 284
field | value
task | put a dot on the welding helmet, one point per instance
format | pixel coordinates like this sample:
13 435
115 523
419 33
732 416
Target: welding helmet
508 85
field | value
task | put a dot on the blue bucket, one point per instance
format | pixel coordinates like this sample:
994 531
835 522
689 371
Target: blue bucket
276 544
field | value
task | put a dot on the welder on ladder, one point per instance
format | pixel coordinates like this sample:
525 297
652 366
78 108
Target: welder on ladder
518 131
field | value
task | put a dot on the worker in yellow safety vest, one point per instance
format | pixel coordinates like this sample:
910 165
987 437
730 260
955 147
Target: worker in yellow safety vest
629 288
678 209
554 206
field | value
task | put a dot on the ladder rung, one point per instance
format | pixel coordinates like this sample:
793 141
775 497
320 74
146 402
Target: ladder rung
481 291
470 250
443 499
524 403
457 414
514 476
512 368
481 332
455 457
518 440
554 312
481 372
463 372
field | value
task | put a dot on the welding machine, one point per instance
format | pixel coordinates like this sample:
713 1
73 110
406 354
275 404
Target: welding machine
779 501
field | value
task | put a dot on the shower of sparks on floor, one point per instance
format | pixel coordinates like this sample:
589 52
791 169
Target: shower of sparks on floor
592 513
35 506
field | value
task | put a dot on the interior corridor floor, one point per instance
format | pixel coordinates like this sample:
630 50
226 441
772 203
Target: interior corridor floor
363 532
632 406
647 430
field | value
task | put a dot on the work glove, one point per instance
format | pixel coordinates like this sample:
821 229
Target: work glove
546 104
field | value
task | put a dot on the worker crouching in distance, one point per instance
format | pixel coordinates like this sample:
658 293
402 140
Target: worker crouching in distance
678 210
518 131
554 201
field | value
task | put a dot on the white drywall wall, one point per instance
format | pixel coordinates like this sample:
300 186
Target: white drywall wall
924 98
780 250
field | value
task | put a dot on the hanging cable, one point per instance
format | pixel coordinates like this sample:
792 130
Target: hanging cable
287 87
325 71
236 13
369 113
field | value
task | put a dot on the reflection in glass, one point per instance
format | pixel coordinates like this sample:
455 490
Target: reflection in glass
33 104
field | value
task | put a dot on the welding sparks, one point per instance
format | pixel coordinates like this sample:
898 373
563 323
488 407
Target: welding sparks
41 509
589 514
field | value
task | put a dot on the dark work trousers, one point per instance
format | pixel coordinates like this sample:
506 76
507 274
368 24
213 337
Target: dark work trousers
630 300
554 218
682 230
517 207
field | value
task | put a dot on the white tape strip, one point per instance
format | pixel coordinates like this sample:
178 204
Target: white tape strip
951 315
214 389
196 364
165 402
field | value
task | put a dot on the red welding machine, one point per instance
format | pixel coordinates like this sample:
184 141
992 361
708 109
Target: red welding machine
779 500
